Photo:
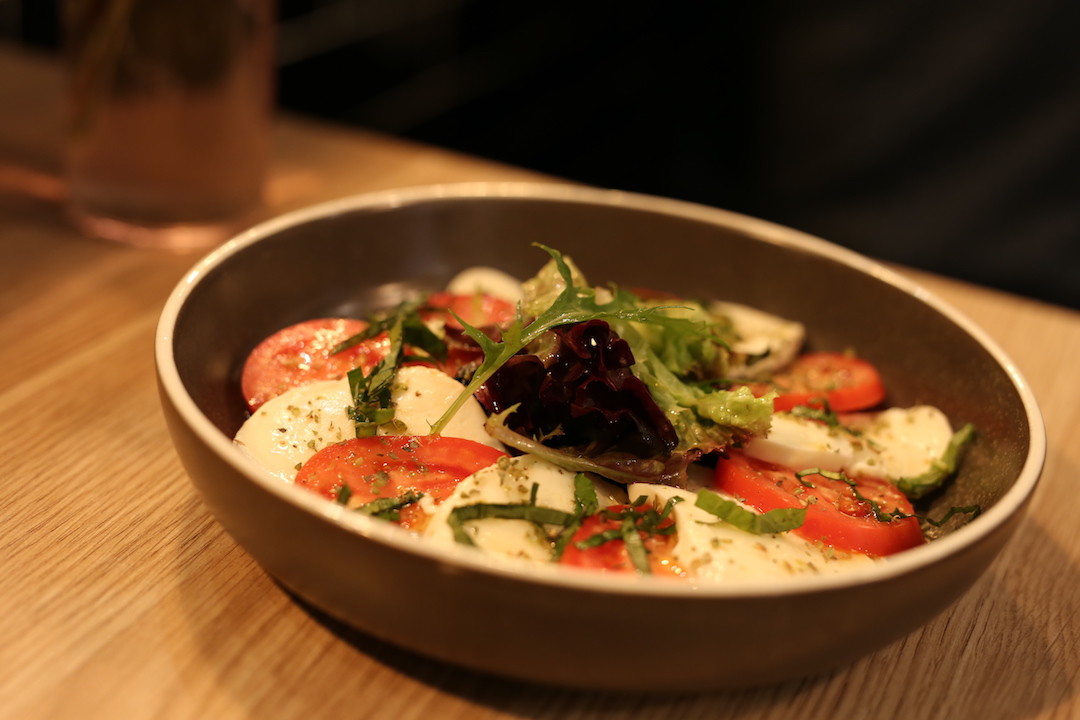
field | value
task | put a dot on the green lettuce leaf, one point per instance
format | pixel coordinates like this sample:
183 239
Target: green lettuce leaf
705 418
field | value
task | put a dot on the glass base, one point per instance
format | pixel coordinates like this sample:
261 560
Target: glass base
177 237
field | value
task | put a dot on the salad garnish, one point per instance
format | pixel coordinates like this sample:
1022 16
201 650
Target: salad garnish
573 304
524 422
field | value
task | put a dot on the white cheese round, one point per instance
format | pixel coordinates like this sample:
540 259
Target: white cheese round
766 342
900 442
421 395
893 444
510 480
800 443
288 429
709 549
488 281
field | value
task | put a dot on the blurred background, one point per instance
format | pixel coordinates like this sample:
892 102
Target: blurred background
940 134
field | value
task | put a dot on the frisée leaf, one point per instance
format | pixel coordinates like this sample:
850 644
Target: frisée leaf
706 419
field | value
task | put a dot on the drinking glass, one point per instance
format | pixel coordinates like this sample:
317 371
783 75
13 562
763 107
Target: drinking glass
170 104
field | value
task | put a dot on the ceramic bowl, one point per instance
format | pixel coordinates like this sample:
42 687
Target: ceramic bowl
549 624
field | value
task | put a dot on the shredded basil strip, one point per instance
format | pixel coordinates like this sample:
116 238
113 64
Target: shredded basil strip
585 503
343 494
824 415
973 510
773 521
414 331
875 508
633 521
585 495
895 513
563 539
371 393
942 469
635 548
505 511
598 539
669 506
387 508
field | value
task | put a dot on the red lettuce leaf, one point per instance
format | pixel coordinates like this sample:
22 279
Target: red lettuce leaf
581 395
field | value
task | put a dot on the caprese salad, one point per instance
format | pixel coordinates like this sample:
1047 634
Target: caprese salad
601 427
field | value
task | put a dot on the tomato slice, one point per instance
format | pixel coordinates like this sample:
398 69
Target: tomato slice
844 382
300 354
388 466
835 514
612 555
478 309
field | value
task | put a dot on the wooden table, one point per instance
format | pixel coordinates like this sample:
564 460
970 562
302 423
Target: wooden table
120 597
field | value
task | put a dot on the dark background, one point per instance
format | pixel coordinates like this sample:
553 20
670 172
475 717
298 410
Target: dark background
941 134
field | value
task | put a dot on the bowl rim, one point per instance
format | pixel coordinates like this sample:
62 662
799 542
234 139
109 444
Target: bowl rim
574 578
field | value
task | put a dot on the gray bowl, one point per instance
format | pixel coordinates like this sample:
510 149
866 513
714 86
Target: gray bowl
557 625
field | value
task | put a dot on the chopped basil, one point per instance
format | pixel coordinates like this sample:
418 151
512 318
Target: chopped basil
633 521
388 508
875 508
638 518
371 392
824 415
773 521
505 511
896 513
635 548
585 495
973 510
414 331
343 494
585 504
598 539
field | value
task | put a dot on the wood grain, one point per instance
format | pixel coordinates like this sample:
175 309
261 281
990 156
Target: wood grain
121 598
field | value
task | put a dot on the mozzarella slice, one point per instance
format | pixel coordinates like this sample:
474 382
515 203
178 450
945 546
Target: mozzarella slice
900 442
709 549
801 443
766 342
895 443
486 280
288 429
510 480
421 395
